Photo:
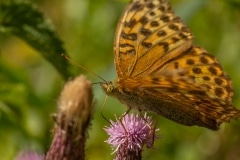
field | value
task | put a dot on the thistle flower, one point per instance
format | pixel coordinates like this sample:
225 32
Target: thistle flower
72 121
130 134
29 155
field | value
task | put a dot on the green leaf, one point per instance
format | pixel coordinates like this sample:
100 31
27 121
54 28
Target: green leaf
29 24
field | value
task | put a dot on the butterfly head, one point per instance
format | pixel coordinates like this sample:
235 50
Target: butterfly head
108 87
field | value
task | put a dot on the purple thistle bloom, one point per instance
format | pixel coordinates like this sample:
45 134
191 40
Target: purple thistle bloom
128 135
29 155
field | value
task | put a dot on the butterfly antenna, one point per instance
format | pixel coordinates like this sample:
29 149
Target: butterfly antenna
102 110
73 62
97 82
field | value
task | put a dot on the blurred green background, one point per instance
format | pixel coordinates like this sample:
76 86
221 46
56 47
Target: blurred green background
30 85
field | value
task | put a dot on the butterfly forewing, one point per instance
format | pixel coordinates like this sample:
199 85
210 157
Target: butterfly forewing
160 70
148 35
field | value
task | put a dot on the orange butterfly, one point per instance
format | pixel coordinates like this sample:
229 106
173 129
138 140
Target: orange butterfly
160 70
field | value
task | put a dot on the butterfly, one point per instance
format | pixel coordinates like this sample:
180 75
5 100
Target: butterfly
160 70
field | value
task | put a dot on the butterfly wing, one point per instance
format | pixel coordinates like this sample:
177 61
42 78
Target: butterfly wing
147 37
156 62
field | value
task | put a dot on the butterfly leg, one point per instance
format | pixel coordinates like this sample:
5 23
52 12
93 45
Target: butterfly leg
121 118
143 115
126 112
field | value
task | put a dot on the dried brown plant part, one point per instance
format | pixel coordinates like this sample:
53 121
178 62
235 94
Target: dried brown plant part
72 121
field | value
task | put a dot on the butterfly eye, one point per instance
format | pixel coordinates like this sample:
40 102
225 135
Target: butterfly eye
110 87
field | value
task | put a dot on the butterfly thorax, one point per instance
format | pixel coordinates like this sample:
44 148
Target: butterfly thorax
132 99
125 96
